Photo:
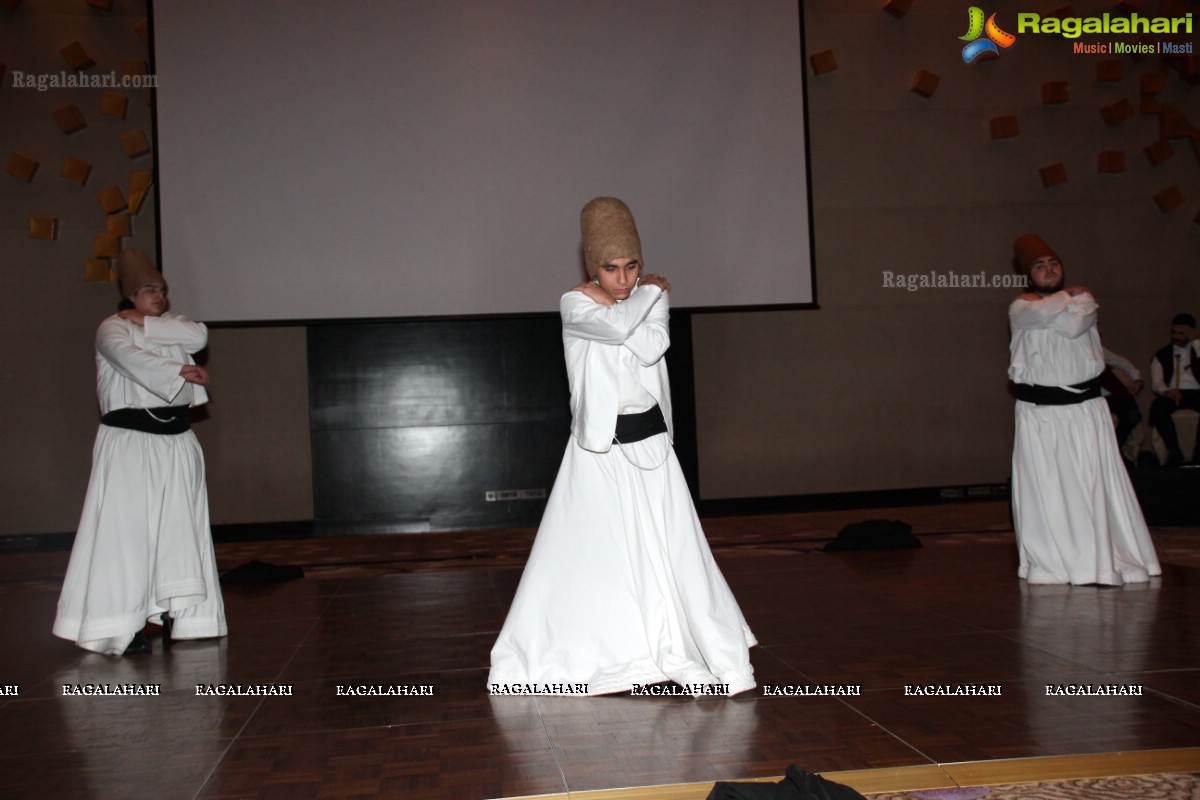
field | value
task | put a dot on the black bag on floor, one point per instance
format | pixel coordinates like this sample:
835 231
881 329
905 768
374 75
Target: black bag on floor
798 785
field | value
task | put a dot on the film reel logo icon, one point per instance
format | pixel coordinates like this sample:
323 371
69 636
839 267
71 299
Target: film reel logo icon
984 39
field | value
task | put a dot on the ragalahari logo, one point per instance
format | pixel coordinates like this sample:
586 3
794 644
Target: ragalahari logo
988 47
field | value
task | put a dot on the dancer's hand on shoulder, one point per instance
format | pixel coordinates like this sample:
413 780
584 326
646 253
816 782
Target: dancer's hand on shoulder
594 291
134 316
655 280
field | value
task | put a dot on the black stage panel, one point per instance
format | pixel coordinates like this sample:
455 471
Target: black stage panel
414 423
1169 496
448 424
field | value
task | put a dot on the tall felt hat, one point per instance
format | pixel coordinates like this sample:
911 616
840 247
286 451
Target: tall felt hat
1028 249
135 270
609 232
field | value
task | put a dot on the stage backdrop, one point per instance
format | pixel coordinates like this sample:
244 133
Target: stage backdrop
374 158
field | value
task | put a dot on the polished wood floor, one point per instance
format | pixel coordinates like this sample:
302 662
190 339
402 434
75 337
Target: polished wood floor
424 610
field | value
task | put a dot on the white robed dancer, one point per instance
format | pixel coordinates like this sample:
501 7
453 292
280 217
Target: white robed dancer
1077 519
143 550
620 588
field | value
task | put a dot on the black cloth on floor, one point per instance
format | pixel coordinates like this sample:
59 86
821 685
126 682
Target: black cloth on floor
874 534
798 785
261 572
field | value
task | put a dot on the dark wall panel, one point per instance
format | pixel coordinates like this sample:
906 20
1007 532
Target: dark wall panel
415 423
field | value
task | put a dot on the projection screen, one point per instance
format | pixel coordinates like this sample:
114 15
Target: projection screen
409 158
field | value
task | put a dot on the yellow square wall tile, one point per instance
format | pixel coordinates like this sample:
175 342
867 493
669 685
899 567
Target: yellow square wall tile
96 269
112 200
114 104
118 225
135 143
106 246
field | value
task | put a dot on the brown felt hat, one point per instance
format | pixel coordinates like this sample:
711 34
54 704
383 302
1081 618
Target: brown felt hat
1028 249
135 270
609 232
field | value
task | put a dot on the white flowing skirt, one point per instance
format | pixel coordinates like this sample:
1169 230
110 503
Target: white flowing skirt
1077 519
621 587
143 546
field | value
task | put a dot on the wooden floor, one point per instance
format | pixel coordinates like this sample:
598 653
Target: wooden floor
424 610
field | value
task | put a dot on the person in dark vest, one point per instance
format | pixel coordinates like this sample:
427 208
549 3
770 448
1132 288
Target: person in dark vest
1076 517
1173 378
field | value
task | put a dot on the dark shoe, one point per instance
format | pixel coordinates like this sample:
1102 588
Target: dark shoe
168 625
139 645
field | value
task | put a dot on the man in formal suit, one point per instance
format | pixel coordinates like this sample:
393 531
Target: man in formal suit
1173 378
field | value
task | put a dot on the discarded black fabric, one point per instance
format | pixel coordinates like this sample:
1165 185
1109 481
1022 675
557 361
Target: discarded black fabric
261 572
797 785
873 534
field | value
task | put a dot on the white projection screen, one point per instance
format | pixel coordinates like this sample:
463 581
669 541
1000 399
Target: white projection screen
411 158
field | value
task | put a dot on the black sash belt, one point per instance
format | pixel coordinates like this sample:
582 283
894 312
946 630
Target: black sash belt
1057 396
635 427
165 420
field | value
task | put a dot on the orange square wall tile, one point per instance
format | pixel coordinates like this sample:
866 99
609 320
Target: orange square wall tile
106 245
1116 113
924 83
136 197
75 170
822 62
113 104
112 200
135 143
77 56
1158 152
1005 127
1169 199
22 166
43 227
1053 175
69 119
1054 92
96 269
140 179
118 225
